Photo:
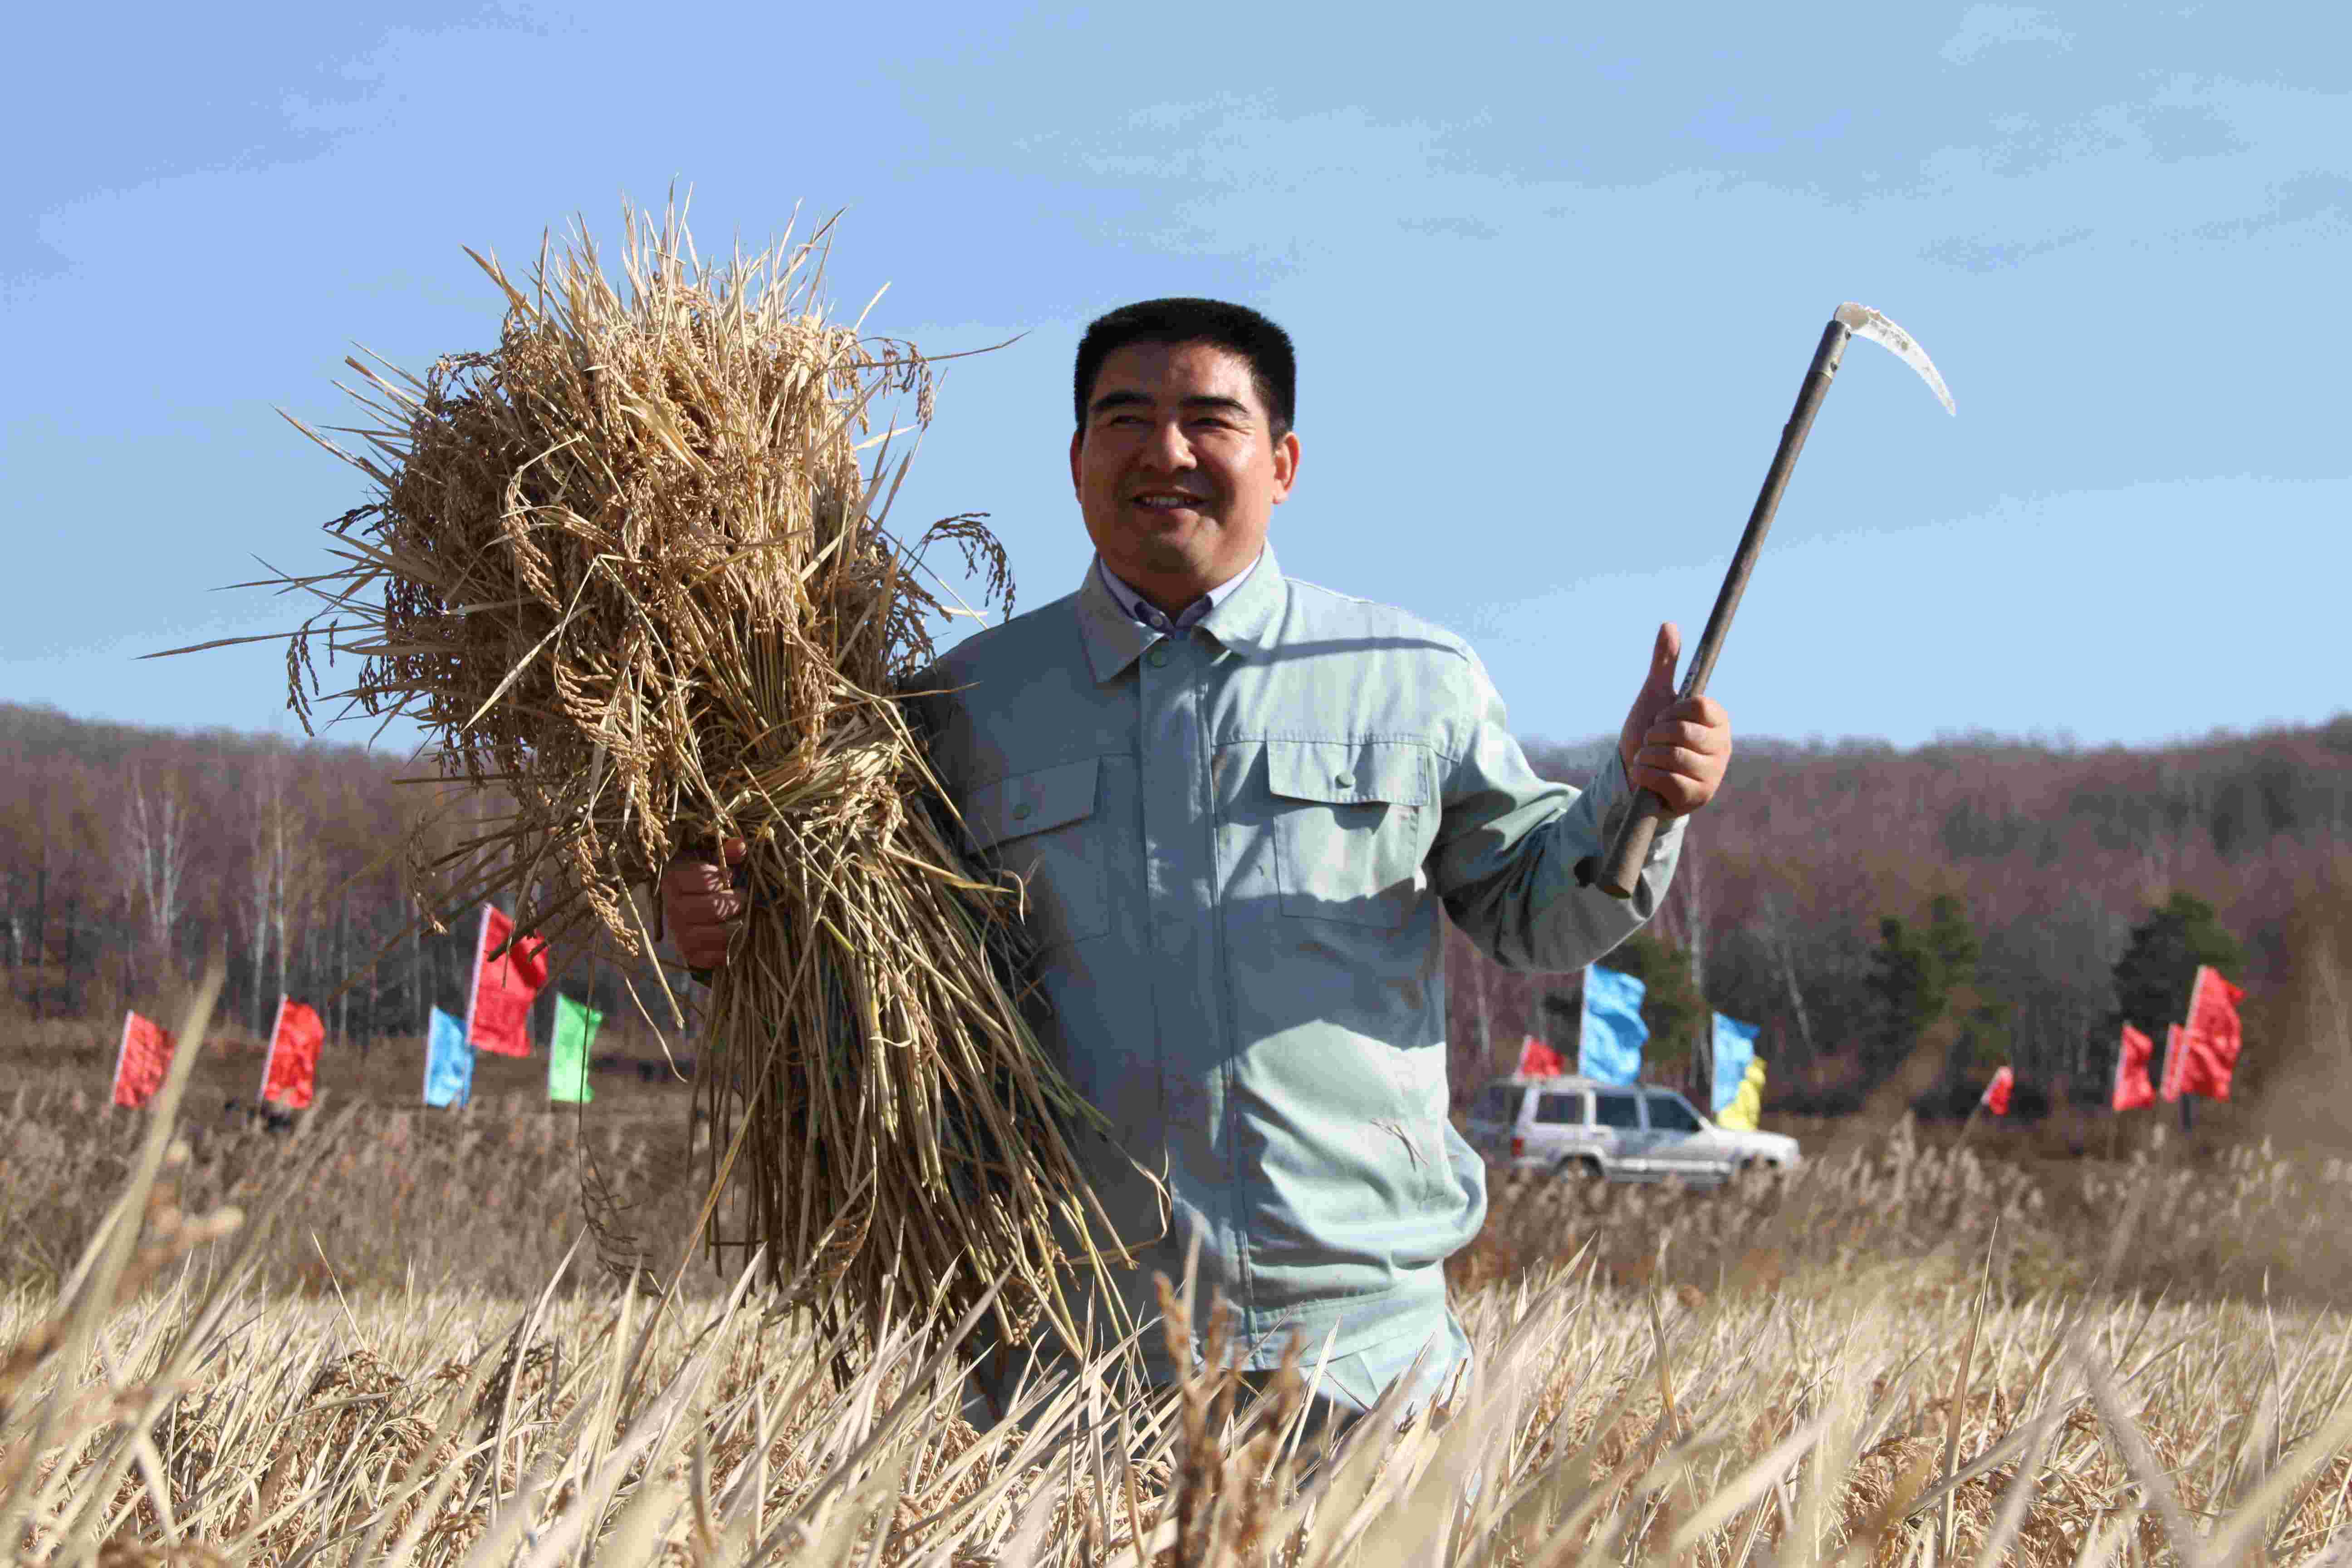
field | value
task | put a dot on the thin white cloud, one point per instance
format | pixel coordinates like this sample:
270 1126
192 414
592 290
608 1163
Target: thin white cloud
2233 159
1984 27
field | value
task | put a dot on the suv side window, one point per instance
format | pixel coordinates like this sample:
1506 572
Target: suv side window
1500 1103
1668 1114
1612 1108
1561 1109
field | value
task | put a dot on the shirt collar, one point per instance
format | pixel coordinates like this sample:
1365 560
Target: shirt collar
1241 614
1142 609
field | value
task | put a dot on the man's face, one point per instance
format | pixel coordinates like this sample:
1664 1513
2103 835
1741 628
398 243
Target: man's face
1177 469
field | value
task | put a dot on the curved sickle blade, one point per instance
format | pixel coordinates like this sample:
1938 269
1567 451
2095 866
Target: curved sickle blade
1864 323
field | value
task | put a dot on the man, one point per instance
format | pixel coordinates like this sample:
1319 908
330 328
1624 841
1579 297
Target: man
1239 803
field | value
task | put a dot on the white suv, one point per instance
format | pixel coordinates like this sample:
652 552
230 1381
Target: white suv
1641 1133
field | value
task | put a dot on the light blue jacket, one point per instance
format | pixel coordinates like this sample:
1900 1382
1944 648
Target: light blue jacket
1237 844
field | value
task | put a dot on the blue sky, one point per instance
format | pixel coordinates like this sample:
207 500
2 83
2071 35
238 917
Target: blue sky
1554 276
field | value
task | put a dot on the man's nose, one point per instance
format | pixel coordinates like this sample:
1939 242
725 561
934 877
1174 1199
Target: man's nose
1168 448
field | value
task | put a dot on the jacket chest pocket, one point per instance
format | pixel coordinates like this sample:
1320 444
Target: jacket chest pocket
1350 825
1040 827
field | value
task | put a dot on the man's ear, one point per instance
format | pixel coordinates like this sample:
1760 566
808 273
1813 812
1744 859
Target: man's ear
1285 466
1078 441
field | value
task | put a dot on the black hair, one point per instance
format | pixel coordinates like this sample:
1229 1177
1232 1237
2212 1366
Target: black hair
1274 365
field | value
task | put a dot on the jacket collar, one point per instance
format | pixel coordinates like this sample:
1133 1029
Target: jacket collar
1245 621
1114 639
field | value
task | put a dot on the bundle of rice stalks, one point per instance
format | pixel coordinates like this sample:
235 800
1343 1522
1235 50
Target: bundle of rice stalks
631 570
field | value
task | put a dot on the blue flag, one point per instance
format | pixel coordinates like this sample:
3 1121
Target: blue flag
1735 1048
1609 1047
448 1062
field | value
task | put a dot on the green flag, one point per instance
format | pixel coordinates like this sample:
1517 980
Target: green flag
567 1060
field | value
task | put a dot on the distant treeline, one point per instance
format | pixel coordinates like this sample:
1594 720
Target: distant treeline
2016 874
1854 898
126 855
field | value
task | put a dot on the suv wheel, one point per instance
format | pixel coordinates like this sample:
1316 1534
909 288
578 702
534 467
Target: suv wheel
1580 1168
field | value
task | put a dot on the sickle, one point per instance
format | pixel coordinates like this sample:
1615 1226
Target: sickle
1620 869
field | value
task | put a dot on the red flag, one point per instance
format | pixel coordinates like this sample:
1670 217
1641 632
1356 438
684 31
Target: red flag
2175 1061
1996 1094
2210 1039
497 1013
2133 1088
291 1077
1540 1060
139 1066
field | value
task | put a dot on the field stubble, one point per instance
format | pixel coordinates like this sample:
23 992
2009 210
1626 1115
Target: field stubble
1909 1353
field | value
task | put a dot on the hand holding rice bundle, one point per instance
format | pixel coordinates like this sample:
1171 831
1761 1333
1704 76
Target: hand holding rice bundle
632 567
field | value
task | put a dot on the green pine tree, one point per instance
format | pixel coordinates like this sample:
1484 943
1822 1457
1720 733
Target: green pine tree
1953 941
1926 980
1906 993
2159 964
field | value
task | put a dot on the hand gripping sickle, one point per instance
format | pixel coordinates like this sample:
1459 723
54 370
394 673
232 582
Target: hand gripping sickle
1630 847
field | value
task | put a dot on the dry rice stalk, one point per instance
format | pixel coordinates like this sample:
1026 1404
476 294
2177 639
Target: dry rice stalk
631 569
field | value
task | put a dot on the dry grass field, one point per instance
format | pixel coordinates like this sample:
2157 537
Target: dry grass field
371 1340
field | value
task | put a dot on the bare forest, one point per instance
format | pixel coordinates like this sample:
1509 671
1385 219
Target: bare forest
127 854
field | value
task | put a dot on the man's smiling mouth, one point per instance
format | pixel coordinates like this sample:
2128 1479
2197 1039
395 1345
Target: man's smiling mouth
1166 501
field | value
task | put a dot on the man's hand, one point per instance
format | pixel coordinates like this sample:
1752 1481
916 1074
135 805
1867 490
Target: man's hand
700 906
1676 750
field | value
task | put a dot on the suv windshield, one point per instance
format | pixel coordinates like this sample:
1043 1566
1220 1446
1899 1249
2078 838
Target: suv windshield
1669 1114
1612 1108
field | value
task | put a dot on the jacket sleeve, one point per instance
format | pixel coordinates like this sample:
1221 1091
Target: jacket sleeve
1507 845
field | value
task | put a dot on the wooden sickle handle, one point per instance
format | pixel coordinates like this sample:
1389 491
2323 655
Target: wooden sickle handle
1621 869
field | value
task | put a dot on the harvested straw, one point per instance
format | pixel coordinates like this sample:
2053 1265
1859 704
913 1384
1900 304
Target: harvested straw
632 567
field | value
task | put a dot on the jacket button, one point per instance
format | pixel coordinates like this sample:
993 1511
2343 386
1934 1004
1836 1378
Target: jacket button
1022 810
1158 655
1345 781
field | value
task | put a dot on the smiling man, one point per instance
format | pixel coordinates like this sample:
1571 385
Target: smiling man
1179 460
1243 807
